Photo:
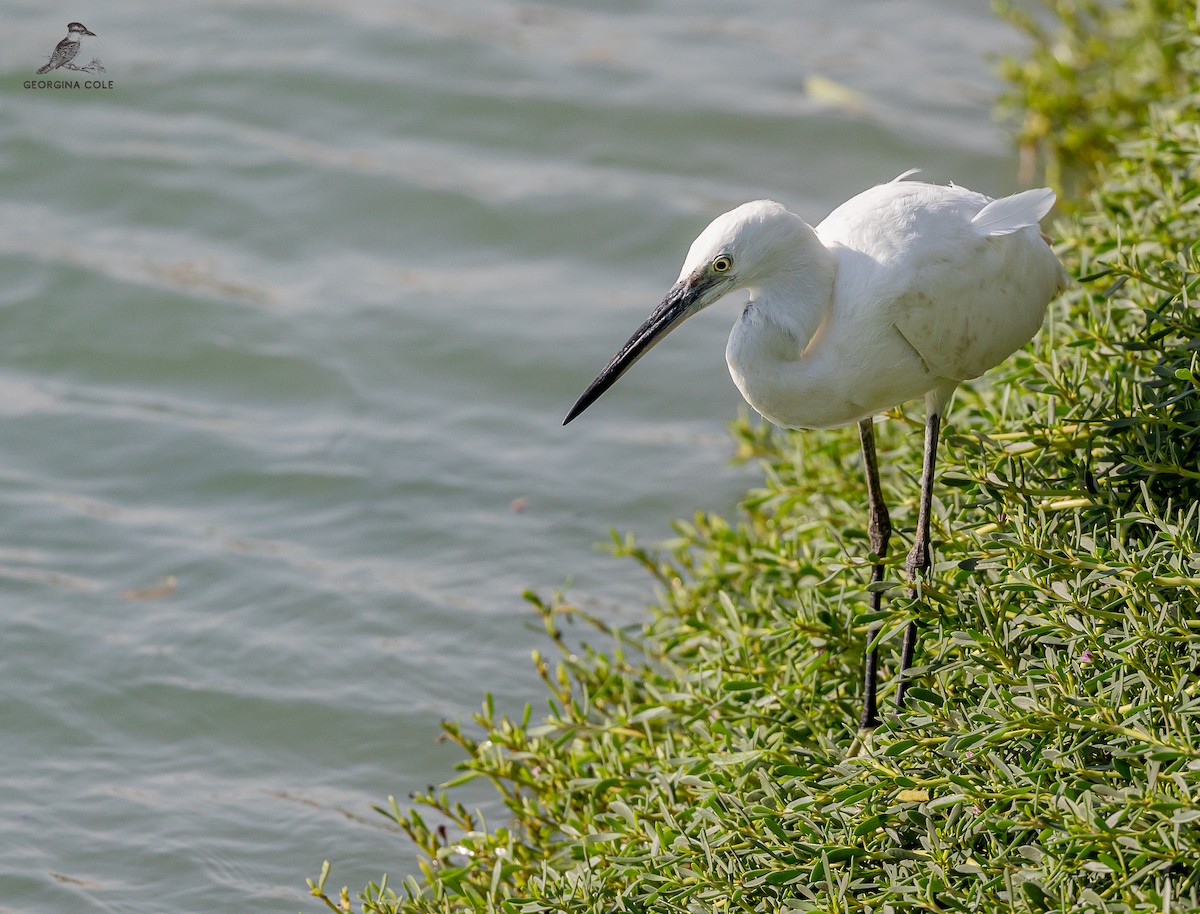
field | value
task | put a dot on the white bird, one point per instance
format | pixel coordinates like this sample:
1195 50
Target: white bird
903 291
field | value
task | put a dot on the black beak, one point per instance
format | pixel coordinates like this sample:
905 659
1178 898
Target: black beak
681 302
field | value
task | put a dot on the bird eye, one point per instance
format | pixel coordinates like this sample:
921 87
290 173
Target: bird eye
722 264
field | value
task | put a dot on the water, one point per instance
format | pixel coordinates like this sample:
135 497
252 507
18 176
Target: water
288 322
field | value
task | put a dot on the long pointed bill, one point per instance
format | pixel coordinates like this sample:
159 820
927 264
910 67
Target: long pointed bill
686 298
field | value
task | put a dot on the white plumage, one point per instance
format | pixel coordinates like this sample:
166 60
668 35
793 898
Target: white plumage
903 291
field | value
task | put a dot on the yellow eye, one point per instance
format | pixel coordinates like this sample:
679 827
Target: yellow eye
722 264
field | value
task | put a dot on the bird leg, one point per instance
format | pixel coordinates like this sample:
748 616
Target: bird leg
918 559
879 529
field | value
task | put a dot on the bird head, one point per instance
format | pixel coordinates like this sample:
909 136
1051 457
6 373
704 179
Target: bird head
739 250
78 28
748 244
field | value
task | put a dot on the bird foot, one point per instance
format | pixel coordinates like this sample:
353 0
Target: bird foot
862 743
918 563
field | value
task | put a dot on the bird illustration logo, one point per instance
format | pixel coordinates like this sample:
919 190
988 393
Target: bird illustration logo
66 50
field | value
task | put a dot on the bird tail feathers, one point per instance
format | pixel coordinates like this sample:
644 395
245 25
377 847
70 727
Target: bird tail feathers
1010 214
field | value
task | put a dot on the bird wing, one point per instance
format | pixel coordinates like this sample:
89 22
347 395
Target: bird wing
979 292
64 53
1010 214
962 278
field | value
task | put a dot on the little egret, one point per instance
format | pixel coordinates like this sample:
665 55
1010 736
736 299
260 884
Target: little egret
903 291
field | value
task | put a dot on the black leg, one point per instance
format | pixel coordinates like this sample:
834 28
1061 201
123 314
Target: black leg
879 528
919 558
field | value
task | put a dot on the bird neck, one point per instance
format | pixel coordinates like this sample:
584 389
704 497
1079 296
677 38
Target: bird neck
796 296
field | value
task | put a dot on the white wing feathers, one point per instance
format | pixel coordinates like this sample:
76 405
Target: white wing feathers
1010 214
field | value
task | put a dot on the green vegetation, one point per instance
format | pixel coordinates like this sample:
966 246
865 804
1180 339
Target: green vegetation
1091 83
1049 758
